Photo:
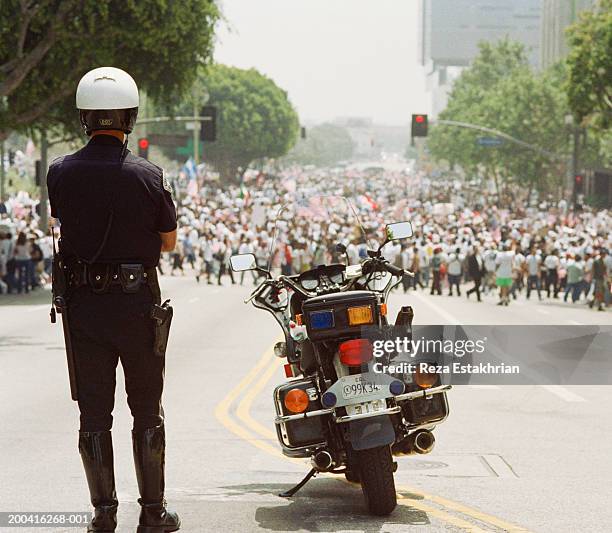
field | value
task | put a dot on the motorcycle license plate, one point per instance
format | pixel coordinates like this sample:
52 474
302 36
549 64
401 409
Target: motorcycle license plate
355 387
367 407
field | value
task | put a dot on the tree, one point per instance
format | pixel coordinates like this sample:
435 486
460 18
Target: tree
588 86
325 145
501 91
46 46
589 64
255 119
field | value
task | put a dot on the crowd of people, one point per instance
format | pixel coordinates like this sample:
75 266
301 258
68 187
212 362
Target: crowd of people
25 250
461 235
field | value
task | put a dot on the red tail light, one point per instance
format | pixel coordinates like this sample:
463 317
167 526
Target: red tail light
355 352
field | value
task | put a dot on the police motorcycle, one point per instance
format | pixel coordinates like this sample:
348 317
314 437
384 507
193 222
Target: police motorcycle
335 408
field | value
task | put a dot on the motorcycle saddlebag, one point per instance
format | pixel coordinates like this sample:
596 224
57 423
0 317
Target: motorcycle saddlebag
304 432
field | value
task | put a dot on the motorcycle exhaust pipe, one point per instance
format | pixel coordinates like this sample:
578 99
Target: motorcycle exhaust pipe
421 442
424 441
322 460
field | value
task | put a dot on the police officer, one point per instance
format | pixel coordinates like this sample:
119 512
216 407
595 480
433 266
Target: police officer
116 214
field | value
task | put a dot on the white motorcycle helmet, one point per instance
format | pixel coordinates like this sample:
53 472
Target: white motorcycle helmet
107 99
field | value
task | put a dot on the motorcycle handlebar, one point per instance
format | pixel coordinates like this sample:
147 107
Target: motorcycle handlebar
392 269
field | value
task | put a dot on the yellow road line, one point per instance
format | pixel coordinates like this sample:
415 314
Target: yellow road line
222 412
223 407
243 411
441 515
474 513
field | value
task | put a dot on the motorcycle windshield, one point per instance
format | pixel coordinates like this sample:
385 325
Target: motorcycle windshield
313 230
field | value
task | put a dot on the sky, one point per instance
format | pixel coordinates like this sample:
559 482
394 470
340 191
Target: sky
335 58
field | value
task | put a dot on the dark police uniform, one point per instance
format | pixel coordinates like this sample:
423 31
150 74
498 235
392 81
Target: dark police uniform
112 206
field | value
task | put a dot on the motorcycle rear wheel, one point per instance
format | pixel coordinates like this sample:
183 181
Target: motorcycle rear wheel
377 482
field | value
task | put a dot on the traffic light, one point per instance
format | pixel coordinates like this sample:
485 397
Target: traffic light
419 126
208 128
579 182
143 147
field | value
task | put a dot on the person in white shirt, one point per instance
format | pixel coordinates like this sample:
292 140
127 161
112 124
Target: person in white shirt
206 266
489 267
503 262
551 263
533 262
454 268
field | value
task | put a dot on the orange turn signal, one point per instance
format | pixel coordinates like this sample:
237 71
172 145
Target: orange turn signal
298 319
383 309
360 315
425 380
296 401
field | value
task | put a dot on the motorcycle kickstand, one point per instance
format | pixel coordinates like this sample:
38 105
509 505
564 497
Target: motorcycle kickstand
292 491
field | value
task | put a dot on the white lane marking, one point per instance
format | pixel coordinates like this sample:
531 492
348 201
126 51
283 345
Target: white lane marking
486 387
575 322
444 314
193 300
564 393
542 311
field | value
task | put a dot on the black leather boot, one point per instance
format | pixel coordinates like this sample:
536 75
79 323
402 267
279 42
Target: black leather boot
149 452
96 451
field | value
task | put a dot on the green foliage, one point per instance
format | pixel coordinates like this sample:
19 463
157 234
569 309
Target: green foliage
500 91
589 84
255 118
46 46
325 145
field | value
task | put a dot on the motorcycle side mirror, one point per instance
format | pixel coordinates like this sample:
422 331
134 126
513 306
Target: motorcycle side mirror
398 230
242 262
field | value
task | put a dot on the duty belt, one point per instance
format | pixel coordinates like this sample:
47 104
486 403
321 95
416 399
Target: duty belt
99 277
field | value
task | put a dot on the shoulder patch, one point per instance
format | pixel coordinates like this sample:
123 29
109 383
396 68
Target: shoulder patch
166 183
57 160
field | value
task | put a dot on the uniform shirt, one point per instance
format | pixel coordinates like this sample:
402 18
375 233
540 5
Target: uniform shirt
82 186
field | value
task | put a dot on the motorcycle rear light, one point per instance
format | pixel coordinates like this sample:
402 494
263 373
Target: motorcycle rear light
329 399
321 319
296 401
355 352
360 315
288 370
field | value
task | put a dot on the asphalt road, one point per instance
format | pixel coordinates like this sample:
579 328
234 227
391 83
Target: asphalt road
508 458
